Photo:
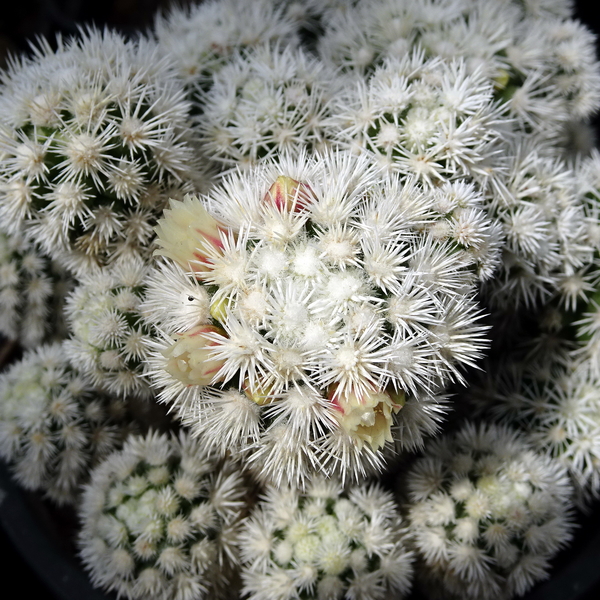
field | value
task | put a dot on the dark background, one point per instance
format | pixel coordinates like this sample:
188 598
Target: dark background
20 22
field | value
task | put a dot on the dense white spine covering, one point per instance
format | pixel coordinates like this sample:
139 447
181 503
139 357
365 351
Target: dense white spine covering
325 543
202 39
53 425
32 293
319 309
269 100
94 136
159 519
549 228
109 339
423 117
486 513
541 62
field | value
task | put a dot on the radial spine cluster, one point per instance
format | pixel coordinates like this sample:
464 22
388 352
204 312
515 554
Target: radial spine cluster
426 118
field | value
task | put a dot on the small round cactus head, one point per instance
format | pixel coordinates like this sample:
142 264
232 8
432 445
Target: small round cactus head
54 426
325 543
486 513
159 519
94 136
109 340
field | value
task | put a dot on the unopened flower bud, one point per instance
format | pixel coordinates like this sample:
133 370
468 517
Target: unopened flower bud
257 393
188 233
189 358
501 80
287 194
218 307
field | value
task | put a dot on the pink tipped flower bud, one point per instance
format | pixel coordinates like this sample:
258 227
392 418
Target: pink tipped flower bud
367 417
287 194
188 234
190 360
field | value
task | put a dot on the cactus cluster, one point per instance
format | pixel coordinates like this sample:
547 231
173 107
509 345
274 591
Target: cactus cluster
261 255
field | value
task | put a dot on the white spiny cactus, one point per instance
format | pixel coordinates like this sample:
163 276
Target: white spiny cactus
159 520
93 136
324 308
300 225
201 39
53 425
325 543
267 101
486 513
109 340
32 294
423 117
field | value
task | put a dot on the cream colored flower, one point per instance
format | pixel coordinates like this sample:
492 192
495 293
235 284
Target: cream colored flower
368 417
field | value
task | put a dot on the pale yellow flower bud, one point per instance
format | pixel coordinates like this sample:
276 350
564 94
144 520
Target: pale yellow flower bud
187 233
501 80
189 358
257 393
218 307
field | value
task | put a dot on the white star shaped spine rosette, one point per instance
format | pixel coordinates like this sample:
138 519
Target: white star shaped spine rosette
311 311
